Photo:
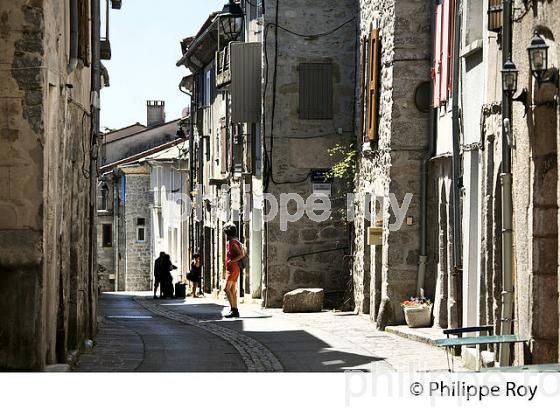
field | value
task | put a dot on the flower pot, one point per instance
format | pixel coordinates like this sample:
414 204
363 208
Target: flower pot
418 316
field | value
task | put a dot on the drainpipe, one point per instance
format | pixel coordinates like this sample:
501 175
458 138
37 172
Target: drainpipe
95 87
432 132
507 206
455 294
74 22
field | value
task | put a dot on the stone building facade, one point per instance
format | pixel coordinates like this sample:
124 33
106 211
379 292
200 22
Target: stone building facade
254 147
466 287
47 289
479 299
297 140
392 143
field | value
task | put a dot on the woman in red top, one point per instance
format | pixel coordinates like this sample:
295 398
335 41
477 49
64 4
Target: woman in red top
234 253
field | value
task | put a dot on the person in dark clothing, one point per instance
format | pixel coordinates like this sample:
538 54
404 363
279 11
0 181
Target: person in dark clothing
158 273
166 268
195 275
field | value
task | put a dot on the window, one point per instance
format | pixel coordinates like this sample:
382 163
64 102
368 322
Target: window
223 148
160 224
209 92
255 9
443 51
107 235
315 91
103 204
237 149
140 229
372 118
199 89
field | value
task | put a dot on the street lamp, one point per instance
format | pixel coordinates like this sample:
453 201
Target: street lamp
231 21
538 56
509 77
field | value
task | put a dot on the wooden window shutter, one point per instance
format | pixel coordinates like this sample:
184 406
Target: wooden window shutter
363 88
436 69
495 15
315 91
373 86
446 49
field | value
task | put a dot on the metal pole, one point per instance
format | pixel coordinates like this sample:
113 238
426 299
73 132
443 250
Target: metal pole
455 294
507 206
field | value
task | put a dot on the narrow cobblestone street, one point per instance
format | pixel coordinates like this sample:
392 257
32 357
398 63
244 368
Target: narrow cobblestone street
138 333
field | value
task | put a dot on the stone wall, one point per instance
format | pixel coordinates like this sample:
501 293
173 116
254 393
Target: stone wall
392 163
139 258
47 294
295 146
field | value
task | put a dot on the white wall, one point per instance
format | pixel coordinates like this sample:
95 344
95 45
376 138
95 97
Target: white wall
168 229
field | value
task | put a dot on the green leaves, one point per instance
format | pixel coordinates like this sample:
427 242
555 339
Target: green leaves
345 169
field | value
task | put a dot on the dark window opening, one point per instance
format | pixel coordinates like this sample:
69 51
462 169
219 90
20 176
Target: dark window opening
104 198
107 236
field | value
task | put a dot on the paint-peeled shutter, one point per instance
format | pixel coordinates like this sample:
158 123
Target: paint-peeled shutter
315 91
436 69
446 49
373 86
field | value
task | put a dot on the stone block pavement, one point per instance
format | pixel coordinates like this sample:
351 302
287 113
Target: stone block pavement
141 334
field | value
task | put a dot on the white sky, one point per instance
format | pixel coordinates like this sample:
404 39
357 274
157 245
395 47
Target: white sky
145 36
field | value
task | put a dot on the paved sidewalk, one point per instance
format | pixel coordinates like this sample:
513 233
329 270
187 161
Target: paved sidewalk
311 342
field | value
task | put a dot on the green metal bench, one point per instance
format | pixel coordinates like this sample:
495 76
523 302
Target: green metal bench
476 341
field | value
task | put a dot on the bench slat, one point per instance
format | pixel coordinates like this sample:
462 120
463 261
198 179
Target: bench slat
461 330
480 340
548 367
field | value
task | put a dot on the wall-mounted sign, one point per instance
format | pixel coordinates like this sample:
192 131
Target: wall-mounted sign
321 176
322 189
321 180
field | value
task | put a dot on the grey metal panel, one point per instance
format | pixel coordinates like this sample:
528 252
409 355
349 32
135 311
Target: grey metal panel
246 82
315 91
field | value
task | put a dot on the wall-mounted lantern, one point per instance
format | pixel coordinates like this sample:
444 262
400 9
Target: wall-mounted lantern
538 56
509 77
231 21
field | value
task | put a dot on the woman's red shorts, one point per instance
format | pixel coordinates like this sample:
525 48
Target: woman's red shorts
232 273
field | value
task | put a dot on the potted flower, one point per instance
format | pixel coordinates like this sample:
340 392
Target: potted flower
417 312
